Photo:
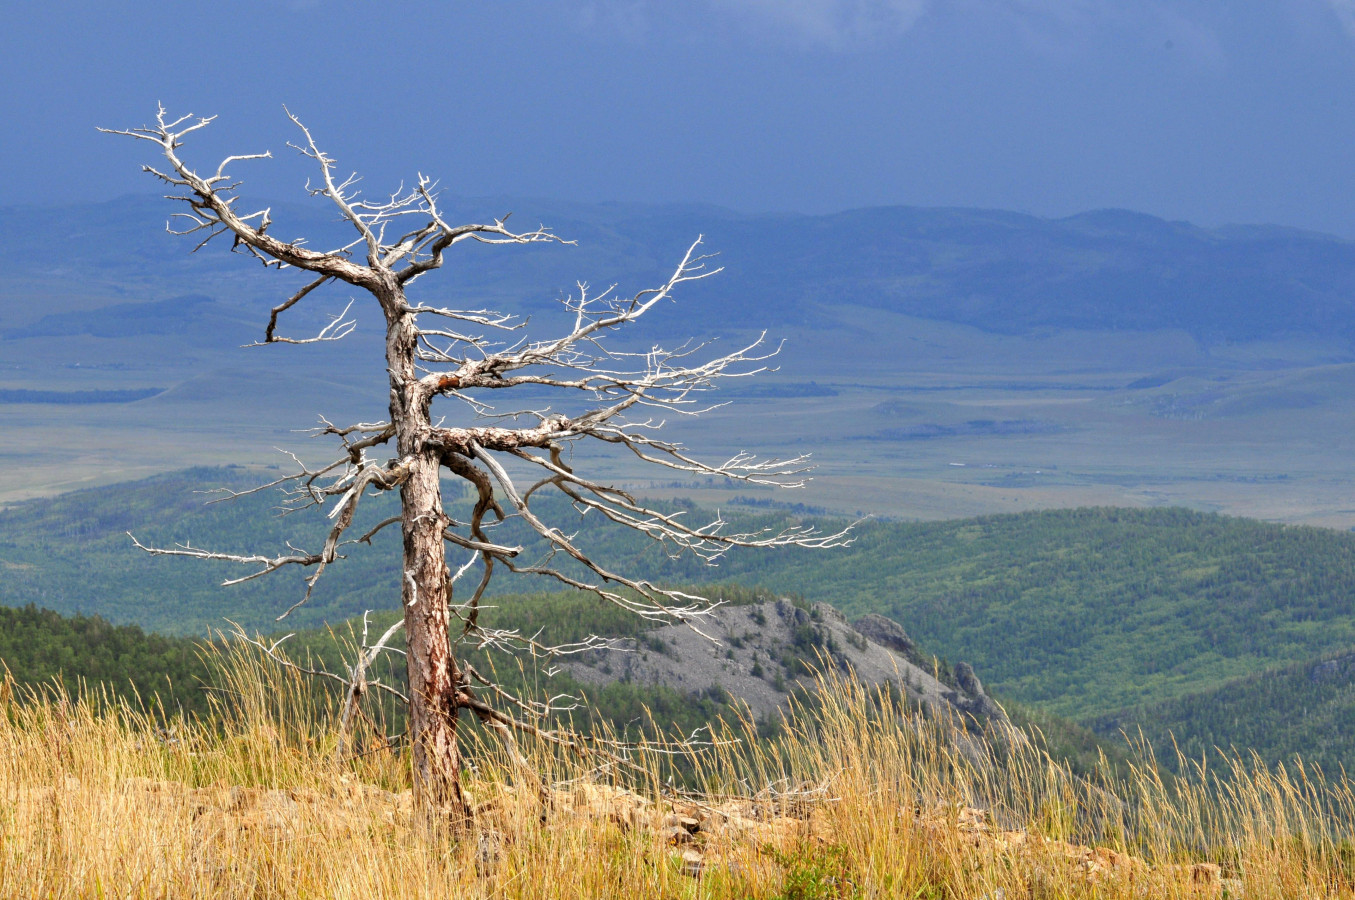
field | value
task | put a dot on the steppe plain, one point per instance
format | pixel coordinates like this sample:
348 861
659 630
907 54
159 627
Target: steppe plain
963 362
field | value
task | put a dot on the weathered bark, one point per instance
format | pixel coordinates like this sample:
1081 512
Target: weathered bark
433 673
426 582
455 359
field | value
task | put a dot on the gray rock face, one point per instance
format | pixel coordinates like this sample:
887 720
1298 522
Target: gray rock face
967 681
886 633
761 653
1338 669
971 698
791 613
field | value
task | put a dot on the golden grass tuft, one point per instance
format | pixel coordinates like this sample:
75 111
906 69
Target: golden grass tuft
102 799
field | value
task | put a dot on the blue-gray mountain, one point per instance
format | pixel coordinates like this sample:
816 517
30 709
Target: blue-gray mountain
999 271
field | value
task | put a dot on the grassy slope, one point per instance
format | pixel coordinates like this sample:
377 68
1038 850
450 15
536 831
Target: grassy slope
254 804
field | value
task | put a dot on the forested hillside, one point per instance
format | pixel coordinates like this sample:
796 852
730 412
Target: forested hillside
39 646
1305 710
73 554
1086 611
174 674
1081 612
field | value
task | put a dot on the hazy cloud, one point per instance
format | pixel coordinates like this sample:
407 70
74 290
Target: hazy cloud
1068 28
1345 11
834 23
1052 27
628 19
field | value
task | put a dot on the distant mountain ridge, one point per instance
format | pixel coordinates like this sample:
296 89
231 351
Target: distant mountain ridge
1003 272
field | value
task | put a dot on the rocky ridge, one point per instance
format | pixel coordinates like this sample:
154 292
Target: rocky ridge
760 654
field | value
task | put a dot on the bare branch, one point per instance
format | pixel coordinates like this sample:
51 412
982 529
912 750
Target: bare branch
358 683
426 252
335 192
211 201
269 335
272 652
350 487
339 327
618 395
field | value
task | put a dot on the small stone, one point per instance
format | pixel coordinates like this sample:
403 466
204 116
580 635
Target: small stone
689 824
675 834
692 863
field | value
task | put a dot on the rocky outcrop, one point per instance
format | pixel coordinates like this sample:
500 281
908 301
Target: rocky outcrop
760 654
1341 668
886 633
969 697
702 836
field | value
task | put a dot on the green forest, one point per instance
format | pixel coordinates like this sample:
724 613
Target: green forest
1162 617
1305 710
41 647
1087 611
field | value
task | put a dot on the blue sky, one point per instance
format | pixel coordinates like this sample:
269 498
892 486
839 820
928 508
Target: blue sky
1209 110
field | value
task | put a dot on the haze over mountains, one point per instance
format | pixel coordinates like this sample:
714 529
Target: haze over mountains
938 362
1002 272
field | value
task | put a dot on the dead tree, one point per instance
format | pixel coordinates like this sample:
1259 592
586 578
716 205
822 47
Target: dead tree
435 352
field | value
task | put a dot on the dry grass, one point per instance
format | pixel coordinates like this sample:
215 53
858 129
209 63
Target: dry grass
98 799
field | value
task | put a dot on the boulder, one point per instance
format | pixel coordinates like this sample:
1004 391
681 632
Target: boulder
885 632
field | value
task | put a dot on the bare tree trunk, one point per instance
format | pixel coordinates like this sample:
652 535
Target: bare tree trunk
619 385
433 673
